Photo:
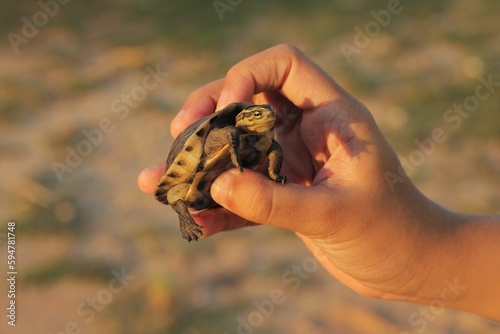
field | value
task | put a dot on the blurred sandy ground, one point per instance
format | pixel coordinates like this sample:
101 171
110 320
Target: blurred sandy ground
97 256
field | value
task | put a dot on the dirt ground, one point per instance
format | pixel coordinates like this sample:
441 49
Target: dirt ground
77 125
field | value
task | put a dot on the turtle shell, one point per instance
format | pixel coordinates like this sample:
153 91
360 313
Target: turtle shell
187 163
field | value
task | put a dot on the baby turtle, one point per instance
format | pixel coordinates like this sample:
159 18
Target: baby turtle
240 135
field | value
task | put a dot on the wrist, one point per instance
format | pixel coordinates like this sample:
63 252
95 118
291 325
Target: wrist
477 265
427 239
436 257
456 262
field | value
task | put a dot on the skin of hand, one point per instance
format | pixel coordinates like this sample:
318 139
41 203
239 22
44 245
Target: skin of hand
383 241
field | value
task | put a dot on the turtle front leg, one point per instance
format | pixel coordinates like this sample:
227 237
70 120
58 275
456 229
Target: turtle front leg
189 229
218 138
275 156
234 148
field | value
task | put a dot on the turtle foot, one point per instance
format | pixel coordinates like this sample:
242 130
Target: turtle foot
191 233
189 229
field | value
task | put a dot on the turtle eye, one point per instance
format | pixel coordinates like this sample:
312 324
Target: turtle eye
257 114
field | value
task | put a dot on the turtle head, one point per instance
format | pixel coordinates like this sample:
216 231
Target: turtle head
256 119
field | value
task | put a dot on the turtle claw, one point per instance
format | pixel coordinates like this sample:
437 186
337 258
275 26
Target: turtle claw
236 162
191 233
281 179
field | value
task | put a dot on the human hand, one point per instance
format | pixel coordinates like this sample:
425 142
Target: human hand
375 238
335 159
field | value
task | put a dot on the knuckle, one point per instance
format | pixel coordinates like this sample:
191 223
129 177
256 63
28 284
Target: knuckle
290 50
287 48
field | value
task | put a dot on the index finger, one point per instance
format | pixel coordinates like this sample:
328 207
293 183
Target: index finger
283 68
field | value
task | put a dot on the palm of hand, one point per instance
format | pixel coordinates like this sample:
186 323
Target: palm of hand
319 143
339 151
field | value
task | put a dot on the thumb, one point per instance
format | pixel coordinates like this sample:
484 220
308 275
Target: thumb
258 199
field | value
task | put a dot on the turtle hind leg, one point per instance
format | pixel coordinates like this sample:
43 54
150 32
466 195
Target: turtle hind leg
189 229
